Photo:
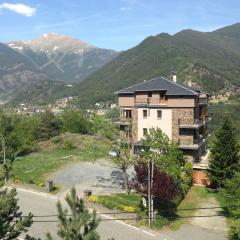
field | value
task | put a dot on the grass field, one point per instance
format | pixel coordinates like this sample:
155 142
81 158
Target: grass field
192 200
35 168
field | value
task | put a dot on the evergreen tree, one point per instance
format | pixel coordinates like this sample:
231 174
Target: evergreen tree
12 223
224 153
80 225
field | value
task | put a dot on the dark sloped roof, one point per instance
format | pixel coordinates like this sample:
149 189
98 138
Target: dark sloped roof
160 83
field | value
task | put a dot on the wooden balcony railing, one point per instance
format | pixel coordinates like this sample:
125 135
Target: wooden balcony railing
151 101
202 101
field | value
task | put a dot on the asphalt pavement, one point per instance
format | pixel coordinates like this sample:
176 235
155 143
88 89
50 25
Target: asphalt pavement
44 205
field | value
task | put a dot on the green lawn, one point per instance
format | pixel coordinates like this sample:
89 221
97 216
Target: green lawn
35 168
192 200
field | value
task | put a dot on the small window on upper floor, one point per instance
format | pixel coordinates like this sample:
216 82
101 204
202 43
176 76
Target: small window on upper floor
145 131
144 113
149 94
159 114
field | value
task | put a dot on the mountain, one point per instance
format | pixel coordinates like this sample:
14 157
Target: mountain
16 71
61 57
212 59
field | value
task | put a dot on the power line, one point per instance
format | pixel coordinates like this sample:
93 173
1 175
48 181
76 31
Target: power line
141 218
116 213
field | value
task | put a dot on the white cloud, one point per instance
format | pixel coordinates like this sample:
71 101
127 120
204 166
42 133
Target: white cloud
122 8
19 8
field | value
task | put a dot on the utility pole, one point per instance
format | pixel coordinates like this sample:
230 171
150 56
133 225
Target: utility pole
152 171
149 194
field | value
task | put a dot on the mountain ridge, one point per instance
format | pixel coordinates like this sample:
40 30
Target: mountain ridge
205 57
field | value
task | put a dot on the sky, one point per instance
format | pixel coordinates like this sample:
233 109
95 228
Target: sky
112 24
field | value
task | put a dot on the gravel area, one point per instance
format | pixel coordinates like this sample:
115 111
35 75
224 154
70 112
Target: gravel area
100 177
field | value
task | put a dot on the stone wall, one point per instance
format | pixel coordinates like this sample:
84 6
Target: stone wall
185 116
134 124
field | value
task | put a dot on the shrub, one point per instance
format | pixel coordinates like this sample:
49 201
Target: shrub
234 231
125 208
160 222
93 199
57 140
68 145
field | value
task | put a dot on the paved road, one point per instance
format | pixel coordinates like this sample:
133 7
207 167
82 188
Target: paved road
44 204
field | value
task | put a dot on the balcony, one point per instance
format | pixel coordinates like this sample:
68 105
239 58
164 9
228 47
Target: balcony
196 144
150 101
125 120
202 101
197 123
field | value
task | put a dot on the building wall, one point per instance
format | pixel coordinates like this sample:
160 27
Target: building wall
151 121
181 102
186 115
200 177
135 124
126 101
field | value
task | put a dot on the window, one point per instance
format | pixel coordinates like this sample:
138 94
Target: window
144 113
149 94
127 113
145 131
162 95
159 114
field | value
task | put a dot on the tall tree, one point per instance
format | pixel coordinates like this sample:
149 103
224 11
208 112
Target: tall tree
163 152
164 186
80 225
231 193
12 223
224 153
124 160
49 126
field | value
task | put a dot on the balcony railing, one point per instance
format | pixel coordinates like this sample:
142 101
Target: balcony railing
150 101
196 123
202 101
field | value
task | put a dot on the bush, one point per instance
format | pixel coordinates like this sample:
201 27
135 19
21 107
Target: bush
234 231
93 199
160 222
186 178
75 122
68 145
129 209
57 140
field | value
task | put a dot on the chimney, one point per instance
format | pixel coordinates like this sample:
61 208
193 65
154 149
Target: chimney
174 77
190 83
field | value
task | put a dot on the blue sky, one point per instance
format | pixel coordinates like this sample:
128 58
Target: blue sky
115 24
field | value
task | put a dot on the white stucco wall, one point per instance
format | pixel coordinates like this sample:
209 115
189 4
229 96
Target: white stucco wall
151 121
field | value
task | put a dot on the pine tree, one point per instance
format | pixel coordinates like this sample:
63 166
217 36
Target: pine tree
80 224
12 223
224 153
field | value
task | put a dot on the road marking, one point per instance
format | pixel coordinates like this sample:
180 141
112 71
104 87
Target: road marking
36 192
128 225
151 234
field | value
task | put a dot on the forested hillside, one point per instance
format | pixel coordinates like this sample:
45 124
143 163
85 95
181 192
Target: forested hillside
211 59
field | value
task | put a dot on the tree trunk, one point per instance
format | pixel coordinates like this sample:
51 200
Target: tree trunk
126 181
